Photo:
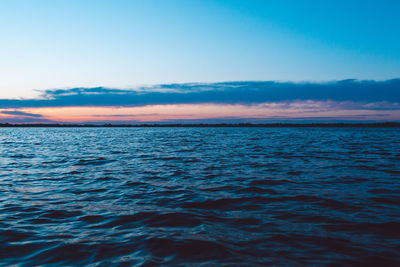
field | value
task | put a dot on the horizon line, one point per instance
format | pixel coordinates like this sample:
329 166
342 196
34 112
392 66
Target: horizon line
277 124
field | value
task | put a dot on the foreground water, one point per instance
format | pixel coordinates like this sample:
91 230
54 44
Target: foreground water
216 196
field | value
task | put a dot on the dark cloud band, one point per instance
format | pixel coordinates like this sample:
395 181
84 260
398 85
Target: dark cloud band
246 93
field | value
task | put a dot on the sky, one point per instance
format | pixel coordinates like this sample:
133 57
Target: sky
196 61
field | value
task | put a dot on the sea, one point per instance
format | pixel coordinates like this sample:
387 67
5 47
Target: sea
200 196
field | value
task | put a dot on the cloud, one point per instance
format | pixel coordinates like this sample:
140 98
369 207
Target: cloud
18 119
16 116
367 94
20 113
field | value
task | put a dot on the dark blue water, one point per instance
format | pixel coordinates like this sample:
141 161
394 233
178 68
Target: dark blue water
215 196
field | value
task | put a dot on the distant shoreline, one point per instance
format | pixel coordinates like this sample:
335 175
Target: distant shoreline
272 125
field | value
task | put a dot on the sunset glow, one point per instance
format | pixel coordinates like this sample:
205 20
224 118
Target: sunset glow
187 112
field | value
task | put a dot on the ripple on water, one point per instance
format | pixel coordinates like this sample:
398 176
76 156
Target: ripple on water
185 196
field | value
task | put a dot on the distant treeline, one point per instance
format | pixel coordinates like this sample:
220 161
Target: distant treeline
377 124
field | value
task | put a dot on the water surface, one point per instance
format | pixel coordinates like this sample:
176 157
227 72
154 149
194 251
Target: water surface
216 196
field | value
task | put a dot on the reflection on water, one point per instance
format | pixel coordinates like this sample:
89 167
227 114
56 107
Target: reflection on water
245 196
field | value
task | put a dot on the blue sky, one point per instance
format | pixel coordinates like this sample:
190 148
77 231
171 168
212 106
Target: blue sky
122 44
